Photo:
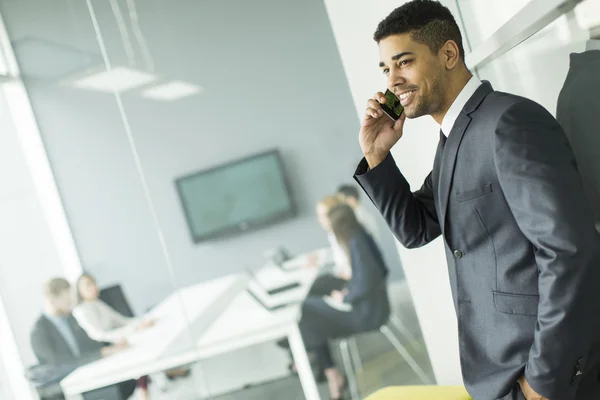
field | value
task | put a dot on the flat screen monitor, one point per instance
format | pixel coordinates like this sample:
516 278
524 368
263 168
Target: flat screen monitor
235 197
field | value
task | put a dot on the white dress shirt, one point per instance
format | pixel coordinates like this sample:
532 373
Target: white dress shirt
459 103
592 44
102 323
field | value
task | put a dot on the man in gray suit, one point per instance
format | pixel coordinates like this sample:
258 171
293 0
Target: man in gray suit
523 254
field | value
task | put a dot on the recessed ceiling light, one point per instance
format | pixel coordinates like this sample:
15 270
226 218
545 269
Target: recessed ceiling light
170 91
119 79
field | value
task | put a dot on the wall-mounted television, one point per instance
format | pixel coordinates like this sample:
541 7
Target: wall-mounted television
235 197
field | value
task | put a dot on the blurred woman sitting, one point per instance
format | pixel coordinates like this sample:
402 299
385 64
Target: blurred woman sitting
101 322
342 272
362 305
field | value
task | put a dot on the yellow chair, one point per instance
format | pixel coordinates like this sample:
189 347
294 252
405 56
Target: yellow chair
421 393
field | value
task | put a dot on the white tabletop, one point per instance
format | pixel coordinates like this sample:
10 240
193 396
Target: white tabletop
324 256
202 321
247 322
182 319
271 277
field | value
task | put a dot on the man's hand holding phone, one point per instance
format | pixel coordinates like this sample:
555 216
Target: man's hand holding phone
379 131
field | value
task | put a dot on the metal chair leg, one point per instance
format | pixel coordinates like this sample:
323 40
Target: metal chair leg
405 354
350 373
397 323
355 354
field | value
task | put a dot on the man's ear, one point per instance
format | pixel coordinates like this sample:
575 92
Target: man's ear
450 54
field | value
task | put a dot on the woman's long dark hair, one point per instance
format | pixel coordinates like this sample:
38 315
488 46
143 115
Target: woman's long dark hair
85 275
343 224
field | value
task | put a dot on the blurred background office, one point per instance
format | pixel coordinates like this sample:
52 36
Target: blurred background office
168 147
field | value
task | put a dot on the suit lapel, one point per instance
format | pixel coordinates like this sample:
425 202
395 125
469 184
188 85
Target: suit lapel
448 158
448 163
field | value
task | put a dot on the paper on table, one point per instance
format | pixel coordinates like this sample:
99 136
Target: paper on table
337 305
324 257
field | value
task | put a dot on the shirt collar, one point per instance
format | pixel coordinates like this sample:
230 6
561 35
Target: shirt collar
458 104
57 319
592 44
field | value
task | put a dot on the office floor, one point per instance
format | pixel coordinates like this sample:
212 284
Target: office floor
382 365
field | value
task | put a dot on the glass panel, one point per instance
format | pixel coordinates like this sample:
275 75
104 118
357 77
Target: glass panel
537 68
482 18
204 129
221 97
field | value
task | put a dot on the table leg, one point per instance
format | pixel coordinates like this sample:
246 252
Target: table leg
307 379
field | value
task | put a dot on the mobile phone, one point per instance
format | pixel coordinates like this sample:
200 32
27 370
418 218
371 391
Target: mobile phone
392 106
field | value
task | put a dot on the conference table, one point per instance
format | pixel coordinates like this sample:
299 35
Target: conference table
208 319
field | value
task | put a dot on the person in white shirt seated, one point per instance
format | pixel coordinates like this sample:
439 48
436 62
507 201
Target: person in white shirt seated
351 195
103 324
100 321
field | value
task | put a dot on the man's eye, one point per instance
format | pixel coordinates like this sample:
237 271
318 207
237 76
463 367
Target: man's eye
404 62
386 71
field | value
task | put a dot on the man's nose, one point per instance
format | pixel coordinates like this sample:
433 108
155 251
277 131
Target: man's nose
395 78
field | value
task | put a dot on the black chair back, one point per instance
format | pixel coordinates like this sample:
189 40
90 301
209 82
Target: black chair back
115 297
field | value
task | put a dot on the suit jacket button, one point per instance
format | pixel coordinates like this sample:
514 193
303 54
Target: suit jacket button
458 254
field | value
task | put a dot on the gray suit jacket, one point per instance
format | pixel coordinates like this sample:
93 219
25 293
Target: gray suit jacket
523 254
51 348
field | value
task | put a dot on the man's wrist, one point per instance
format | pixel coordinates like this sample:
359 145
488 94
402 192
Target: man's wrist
373 160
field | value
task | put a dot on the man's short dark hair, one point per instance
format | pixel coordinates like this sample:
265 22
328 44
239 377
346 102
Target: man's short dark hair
349 191
428 22
56 286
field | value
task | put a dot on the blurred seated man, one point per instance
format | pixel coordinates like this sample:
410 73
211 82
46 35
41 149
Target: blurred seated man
58 340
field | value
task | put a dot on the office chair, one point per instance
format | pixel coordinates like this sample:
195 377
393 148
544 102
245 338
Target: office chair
115 297
352 361
48 392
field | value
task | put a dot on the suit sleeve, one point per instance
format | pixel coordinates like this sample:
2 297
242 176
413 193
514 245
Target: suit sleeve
411 216
366 273
540 181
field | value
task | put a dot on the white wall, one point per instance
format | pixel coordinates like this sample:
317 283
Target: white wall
354 22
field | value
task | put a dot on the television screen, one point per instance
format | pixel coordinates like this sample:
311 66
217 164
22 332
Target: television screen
236 197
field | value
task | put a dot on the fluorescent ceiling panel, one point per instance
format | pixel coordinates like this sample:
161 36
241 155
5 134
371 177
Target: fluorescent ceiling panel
171 91
119 79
